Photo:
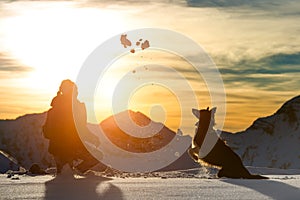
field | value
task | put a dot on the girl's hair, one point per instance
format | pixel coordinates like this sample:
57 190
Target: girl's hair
67 87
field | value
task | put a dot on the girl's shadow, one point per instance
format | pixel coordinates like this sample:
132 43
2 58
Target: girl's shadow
81 188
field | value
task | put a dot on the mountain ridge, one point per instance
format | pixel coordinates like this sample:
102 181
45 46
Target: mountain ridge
271 141
123 137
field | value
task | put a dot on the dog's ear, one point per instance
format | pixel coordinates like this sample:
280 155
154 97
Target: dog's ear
213 110
196 112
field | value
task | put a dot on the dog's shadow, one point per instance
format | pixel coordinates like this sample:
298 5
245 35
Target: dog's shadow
273 189
81 188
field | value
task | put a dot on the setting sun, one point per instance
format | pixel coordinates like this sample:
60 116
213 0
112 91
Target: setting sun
54 41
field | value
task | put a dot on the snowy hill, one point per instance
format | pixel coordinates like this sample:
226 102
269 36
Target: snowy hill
22 139
272 141
126 140
147 137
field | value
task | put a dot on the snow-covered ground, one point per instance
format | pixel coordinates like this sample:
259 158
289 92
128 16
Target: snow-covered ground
283 184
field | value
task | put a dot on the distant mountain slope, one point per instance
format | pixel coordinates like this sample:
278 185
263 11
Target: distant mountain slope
130 142
272 141
22 138
153 137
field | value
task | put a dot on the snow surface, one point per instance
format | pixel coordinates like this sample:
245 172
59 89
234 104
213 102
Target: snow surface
283 184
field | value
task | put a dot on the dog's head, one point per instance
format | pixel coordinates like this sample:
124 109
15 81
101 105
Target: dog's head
205 115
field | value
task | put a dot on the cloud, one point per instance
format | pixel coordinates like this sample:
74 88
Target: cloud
280 63
275 72
233 3
282 59
8 64
215 3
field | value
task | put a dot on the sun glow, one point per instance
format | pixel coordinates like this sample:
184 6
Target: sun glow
156 83
55 40
158 103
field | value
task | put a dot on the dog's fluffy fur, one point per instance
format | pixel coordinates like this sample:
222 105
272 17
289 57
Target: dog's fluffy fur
221 155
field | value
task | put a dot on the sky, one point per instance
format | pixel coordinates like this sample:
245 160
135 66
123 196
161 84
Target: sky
254 45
